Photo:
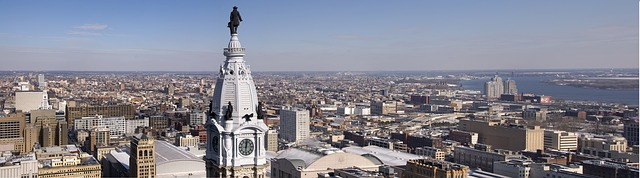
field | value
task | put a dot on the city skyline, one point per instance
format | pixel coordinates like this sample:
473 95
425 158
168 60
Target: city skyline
320 36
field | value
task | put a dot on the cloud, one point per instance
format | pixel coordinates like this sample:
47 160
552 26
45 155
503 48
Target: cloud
92 27
84 33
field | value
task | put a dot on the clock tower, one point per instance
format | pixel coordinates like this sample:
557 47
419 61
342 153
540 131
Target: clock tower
235 133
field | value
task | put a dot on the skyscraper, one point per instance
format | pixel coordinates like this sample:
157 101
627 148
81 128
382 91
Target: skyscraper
494 88
294 125
510 87
235 134
11 131
41 81
142 159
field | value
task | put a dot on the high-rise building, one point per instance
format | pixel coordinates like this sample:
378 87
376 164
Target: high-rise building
11 131
31 137
132 124
128 111
294 125
271 141
514 138
98 137
41 81
142 160
235 134
159 122
630 132
560 140
197 117
494 87
510 87
423 168
62 133
117 125
170 89
12 125
52 132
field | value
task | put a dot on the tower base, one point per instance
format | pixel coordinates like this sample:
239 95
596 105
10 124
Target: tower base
246 171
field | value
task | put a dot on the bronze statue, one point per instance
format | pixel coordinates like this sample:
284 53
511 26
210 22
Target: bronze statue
234 21
247 117
227 115
259 111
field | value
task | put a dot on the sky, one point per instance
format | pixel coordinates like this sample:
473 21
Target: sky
328 35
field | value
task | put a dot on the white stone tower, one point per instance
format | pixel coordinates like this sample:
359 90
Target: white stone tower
235 136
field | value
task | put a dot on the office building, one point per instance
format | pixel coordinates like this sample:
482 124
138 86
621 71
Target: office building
464 137
481 157
32 100
23 165
605 146
101 151
426 168
294 125
271 141
158 122
117 125
98 137
69 165
601 168
494 87
128 111
560 140
66 161
420 99
520 168
384 107
431 152
510 87
362 111
11 131
31 137
42 83
510 137
170 89
12 126
187 141
197 117
132 124
544 170
142 159
630 131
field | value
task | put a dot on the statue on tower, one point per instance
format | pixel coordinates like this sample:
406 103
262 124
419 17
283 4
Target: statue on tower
227 115
234 20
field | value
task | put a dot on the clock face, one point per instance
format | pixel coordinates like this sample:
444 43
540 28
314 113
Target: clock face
246 147
215 143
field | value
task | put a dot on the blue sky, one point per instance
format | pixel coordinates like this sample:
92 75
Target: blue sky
326 35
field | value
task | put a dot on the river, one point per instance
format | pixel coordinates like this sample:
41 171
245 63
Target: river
536 85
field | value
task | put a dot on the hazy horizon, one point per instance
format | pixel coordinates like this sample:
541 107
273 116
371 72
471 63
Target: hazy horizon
320 35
